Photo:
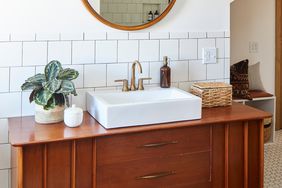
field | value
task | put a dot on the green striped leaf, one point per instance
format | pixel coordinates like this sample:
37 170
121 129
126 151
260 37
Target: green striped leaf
52 85
42 97
52 70
67 87
68 74
37 79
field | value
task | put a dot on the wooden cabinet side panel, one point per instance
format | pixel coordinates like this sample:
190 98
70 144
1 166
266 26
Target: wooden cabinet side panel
59 156
236 155
253 158
218 156
33 166
84 163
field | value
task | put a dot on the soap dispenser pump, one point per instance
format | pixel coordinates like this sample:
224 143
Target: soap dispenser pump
165 74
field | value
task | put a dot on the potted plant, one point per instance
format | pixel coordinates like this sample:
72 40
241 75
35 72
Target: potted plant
50 92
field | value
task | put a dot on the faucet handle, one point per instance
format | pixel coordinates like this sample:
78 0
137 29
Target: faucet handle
140 83
125 84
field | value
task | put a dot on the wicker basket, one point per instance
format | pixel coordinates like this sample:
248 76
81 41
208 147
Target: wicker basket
213 94
267 129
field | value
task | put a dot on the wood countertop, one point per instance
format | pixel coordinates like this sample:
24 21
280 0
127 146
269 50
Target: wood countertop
24 130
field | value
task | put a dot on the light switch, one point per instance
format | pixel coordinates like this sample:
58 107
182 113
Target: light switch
209 55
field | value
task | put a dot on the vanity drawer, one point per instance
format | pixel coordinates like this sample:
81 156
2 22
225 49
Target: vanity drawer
187 171
128 147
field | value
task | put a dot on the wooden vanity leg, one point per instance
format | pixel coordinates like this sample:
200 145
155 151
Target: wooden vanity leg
246 154
261 154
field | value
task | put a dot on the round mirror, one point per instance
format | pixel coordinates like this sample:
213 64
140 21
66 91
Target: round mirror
129 14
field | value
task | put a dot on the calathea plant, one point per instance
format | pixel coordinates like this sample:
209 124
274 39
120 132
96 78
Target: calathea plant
52 88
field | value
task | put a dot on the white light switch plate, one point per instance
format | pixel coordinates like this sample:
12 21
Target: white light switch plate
209 55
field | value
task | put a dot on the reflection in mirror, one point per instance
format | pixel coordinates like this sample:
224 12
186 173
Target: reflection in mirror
129 12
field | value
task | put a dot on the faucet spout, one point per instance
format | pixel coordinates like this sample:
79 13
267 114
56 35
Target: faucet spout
133 78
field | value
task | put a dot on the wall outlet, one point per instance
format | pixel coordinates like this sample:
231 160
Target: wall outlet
253 47
209 55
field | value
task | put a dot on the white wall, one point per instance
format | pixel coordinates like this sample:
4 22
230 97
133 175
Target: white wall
254 21
71 16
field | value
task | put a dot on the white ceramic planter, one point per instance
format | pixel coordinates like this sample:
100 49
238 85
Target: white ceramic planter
49 116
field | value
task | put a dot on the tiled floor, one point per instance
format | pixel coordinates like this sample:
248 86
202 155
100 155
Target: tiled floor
273 163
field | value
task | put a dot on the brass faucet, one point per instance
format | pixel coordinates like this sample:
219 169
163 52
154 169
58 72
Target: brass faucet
132 84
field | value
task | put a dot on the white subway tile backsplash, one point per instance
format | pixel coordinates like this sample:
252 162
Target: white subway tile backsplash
61 51
34 53
204 43
149 50
4 80
21 36
4 179
95 75
155 72
47 36
71 36
139 36
95 36
156 35
102 57
216 71
179 35
117 36
215 34
179 71
18 75
10 104
4 138
220 45
5 157
188 49
83 52
127 50
196 35
116 72
106 51
10 54
197 70
169 48
27 107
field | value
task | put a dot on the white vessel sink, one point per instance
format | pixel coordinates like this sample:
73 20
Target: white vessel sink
125 109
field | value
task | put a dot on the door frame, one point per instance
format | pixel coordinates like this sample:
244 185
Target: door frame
278 62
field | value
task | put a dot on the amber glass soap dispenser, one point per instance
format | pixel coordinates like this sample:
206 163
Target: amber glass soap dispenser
165 74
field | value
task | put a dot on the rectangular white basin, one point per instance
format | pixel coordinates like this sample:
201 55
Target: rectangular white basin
125 109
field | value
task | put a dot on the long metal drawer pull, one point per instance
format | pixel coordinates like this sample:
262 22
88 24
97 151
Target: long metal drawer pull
153 145
156 175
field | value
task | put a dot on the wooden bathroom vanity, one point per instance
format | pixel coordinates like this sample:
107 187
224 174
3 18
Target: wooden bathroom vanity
225 149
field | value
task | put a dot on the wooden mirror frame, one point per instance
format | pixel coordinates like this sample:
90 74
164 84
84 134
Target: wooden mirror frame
128 28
